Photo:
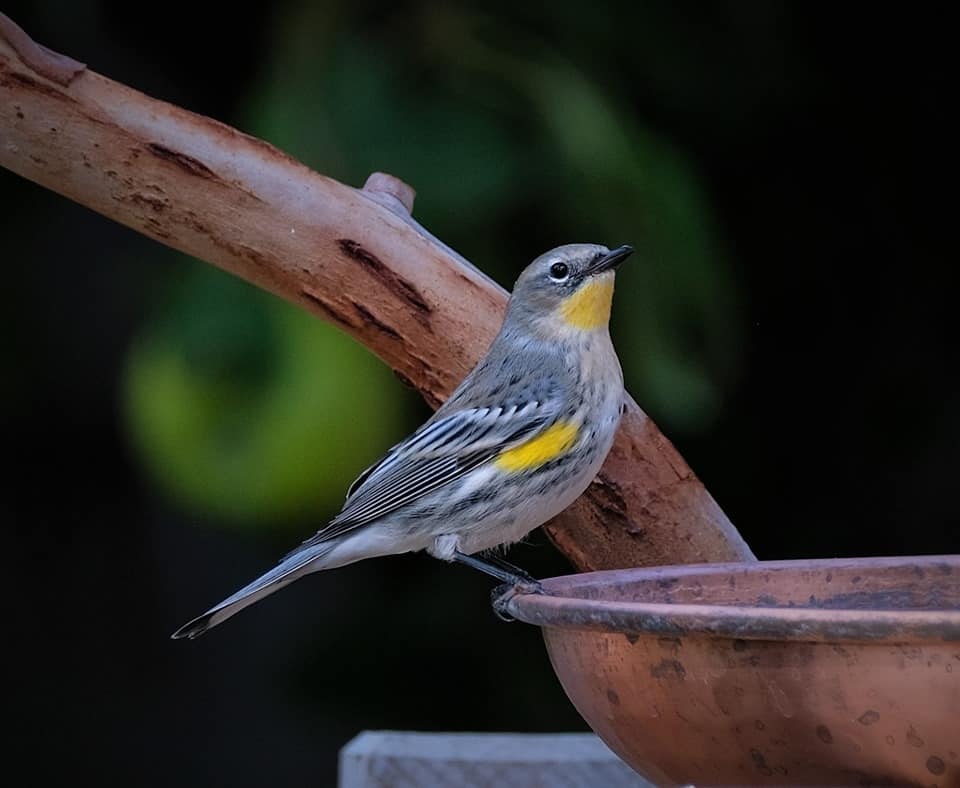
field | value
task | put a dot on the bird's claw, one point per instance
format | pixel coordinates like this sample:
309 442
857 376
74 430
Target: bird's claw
503 594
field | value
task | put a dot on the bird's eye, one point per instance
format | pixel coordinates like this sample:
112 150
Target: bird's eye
559 272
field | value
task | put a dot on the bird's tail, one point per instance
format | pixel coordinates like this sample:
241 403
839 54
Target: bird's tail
288 570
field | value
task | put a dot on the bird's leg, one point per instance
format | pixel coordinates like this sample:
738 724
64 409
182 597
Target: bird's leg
515 581
501 570
502 563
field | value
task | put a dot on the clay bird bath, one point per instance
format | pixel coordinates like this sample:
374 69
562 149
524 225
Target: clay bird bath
826 672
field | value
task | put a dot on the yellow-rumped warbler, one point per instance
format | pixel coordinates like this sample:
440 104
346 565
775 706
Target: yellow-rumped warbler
517 442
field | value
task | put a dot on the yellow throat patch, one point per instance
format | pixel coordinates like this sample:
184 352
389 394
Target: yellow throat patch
546 446
589 307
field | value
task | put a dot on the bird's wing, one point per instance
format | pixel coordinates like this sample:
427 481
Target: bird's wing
444 449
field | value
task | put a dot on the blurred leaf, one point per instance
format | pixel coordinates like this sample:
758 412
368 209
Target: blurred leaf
640 189
248 408
604 176
351 111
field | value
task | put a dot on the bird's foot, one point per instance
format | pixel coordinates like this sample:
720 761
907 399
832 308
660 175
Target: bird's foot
514 581
503 594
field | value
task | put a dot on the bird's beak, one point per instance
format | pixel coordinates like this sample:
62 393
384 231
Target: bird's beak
611 259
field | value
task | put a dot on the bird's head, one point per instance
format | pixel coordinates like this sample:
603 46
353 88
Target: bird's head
569 288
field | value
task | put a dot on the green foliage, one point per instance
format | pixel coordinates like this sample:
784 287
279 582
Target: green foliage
248 408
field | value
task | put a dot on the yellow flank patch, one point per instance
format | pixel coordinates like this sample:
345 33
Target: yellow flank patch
589 307
546 446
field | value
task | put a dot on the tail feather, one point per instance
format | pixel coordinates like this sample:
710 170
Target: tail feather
288 570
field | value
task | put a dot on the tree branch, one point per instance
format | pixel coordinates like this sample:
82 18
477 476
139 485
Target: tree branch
354 257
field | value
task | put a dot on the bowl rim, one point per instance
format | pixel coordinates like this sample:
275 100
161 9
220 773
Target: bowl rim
555 609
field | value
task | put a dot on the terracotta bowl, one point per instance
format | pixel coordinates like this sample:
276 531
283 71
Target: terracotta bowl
829 672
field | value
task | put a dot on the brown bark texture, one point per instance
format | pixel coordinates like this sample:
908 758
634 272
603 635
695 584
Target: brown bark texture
354 257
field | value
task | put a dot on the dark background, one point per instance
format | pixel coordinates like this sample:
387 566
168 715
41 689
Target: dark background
788 174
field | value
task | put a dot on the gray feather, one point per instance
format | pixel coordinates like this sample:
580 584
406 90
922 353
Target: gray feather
444 449
281 575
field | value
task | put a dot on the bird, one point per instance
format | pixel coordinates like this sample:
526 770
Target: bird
515 444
